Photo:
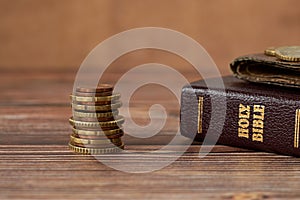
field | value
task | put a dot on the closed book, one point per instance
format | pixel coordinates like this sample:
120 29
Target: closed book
259 117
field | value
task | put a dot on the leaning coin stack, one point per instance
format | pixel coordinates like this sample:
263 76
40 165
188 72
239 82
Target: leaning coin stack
96 121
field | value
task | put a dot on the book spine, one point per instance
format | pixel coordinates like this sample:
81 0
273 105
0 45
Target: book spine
252 121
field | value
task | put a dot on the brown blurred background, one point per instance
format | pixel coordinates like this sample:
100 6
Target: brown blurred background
58 34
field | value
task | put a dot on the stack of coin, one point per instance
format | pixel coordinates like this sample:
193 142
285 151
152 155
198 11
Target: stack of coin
97 125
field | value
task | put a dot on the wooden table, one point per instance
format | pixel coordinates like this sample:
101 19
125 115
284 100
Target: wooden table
36 163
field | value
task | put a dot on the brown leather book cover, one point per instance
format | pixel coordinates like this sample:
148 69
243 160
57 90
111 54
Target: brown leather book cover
259 117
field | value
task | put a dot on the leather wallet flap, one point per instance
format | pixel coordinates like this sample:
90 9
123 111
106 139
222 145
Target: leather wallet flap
267 69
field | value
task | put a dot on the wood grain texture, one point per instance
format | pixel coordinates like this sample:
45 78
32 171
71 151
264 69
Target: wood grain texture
36 163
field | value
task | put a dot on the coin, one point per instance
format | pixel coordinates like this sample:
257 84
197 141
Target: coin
270 51
96 98
95 114
109 107
100 88
89 145
99 128
113 136
99 103
288 53
95 142
101 94
83 150
93 119
118 121
97 132
103 146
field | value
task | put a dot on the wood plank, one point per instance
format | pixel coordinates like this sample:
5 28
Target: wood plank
219 175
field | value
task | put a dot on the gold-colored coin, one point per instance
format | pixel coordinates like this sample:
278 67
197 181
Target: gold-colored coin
95 142
101 137
98 146
118 121
96 115
96 98
101 94
95 151
288 53
270 51
91 119
98 133
109 107
100 88
285 53
102 103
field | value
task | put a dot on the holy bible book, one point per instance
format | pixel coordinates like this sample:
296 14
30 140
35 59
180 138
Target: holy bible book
257 117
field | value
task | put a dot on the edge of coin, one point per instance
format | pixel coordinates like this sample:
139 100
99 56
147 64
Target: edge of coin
270 51
104 87
101 94
287 58
108 107
88 137
96 132
95 114
96 146
119 120
95 141
95 151
92 119
95 98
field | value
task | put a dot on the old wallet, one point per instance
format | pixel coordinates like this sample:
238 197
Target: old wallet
261 68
